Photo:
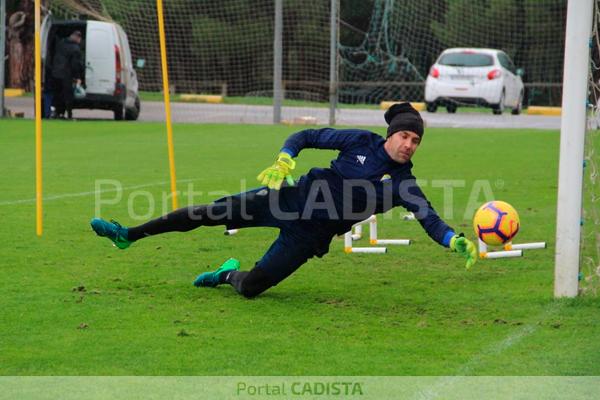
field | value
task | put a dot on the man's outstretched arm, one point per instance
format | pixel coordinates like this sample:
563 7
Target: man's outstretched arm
325 138
414 200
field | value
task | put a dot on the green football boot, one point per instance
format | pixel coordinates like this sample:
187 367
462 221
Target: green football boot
212 279
112 230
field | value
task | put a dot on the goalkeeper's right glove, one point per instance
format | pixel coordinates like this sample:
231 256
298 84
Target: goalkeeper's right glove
273 176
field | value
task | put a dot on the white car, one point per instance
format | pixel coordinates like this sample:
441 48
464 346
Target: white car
470 76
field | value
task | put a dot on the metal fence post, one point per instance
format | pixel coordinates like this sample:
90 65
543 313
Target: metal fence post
333 64
277 62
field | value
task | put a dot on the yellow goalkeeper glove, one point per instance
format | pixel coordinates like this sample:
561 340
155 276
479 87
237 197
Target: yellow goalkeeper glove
465 248
273 176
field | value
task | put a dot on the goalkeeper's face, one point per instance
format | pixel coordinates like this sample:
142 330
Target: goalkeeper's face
402 145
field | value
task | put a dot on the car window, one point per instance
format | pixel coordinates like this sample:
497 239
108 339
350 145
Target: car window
502 60
466 59
511 65
506 62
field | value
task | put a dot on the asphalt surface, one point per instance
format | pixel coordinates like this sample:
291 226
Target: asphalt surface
244 114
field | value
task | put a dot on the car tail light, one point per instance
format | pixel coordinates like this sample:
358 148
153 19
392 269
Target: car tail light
434 72
493 74
118 69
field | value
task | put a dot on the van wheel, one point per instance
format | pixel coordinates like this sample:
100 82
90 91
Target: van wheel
451 108
119 112
431 107
132 114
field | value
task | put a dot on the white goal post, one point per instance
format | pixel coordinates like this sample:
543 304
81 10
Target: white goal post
580 14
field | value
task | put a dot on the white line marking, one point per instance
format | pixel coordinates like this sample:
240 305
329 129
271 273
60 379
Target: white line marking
443 387
82 194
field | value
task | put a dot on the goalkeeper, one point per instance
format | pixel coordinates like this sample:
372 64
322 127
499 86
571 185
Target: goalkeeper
370 175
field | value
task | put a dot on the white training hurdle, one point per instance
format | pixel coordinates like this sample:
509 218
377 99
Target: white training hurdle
510 250
356 234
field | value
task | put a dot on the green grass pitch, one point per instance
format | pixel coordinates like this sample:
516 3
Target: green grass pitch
71 304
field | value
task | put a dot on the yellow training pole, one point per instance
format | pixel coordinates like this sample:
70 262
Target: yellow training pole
38 122
165 76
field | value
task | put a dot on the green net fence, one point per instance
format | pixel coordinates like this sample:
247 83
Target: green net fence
590 238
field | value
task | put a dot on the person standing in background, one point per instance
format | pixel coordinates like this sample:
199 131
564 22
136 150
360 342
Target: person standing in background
67 71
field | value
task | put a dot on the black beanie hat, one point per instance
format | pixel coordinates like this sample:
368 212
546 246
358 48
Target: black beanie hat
403 117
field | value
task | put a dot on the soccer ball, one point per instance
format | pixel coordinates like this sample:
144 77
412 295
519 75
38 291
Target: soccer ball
496 222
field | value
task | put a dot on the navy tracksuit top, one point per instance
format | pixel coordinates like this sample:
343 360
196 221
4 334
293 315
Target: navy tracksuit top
362 178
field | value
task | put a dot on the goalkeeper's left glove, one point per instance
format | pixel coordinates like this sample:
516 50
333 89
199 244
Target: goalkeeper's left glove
274 175
466 248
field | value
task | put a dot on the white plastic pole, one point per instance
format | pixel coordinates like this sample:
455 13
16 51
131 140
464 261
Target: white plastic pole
399 242
371 250
528 246
570 176
373 230
482 247
357 235
484 253
503 254
348 242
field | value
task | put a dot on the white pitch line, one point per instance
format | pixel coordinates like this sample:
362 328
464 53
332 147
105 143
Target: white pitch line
82 194
443 386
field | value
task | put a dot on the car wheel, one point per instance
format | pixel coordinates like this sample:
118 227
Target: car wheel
517 110
132 114
498 109
431 107
451 108
119 112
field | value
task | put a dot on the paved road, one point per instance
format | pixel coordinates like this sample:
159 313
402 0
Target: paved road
230 113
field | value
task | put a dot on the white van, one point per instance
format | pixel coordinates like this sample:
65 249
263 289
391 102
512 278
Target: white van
110 79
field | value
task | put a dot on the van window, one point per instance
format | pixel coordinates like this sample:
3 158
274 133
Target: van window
101 48
466 59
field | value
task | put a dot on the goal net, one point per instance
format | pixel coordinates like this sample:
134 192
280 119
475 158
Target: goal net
590 237
221 47
391 57
385 47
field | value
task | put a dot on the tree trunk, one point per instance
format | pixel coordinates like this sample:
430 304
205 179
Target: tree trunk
21 45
